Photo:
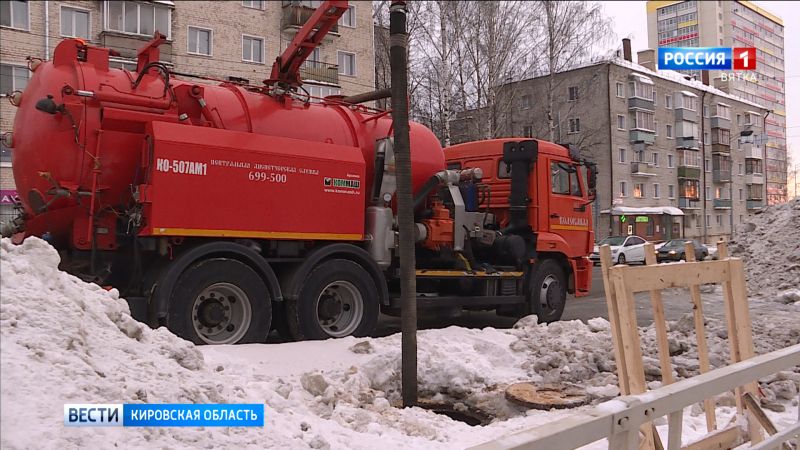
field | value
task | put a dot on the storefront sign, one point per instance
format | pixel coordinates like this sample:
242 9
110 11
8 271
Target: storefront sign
640 219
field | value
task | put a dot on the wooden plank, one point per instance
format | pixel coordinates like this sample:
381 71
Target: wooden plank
744 333
755 408
632 346
722 440
702 345
664 276
660 321
613 317
730 320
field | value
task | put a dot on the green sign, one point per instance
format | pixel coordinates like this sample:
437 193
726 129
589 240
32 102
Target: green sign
622 218
642 219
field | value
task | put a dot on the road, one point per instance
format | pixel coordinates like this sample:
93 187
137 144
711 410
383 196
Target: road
676 304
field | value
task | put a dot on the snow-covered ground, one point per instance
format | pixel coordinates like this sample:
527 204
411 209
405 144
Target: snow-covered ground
66 341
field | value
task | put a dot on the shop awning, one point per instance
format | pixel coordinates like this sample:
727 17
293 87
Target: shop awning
629 210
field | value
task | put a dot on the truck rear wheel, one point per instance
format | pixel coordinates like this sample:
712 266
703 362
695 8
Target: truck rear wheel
220 301
548 291
338 299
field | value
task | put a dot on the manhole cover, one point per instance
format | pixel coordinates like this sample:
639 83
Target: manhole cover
546 396
462 413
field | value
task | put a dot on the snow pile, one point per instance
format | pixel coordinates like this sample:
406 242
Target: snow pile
770 247
66 341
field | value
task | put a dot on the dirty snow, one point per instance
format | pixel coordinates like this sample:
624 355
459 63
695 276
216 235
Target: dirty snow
65 341
769 243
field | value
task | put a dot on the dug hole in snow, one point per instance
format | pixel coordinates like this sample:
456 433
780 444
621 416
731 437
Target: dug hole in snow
66 341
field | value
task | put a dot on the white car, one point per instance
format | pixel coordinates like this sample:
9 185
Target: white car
624 249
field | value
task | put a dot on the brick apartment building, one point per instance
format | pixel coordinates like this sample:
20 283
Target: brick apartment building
676 158
230 40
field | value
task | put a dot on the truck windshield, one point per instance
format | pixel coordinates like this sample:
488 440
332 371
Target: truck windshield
613 240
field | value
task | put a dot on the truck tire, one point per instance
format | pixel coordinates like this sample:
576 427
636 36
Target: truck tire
338 298
548 291
220 301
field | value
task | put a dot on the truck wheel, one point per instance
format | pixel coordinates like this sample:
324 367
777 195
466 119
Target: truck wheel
220 301
338 299
548 293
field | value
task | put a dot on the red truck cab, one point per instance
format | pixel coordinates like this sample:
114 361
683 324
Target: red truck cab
559 194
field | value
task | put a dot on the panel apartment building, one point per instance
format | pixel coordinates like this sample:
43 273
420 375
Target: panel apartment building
228 40
675 157
735 24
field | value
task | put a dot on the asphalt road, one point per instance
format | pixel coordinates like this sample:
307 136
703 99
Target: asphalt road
676 304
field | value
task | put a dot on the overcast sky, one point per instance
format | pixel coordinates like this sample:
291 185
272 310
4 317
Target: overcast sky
630 20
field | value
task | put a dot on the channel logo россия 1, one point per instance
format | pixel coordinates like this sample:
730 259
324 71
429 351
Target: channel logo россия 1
707 58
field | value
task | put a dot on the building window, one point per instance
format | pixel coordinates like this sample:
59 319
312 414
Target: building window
721 136
689 158
719 220
138 18
741 169
670 161
252 49
75 22
641 90
255 4
527 131
644 120
705 111
687 101
707 165
655 159
574 125
349 17
622 155
573 93
690 189
708 220
708 192
200 41
671 190
655 127
669 131
721 110
741 194
318 92
526 102
13 78
620 90
706 138
347 63
668 101
753 166
623 189
656 190
638 190
620 122
14 14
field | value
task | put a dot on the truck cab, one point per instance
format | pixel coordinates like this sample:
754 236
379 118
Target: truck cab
553 192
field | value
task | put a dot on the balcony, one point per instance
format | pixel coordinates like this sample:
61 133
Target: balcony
641 103
755 204
685 114
722 203
721 176
690 172
754 178
296 14
128 45
752 151
720 122
688 203
640 169
320 71
720 148
686 142
648 137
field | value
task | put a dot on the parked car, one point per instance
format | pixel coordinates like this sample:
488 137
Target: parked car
624 249
674 250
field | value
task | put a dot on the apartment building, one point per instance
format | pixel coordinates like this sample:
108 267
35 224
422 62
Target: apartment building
228 40
735 24
675 157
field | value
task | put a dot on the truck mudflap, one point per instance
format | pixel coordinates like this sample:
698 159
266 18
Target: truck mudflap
582 268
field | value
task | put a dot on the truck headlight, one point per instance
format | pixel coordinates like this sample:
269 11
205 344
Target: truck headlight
672 252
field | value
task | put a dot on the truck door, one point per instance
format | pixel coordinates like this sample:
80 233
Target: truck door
568 214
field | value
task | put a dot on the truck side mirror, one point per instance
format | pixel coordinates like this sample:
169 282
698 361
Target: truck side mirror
591 180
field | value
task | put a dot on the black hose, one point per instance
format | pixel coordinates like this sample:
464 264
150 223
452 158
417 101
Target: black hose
432 183
377 181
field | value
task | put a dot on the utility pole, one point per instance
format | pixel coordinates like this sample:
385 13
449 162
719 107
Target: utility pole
398 60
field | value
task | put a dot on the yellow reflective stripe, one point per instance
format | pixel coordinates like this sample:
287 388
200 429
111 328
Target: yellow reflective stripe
569 227
199 232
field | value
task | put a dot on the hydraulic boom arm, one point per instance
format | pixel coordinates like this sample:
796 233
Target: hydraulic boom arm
285 69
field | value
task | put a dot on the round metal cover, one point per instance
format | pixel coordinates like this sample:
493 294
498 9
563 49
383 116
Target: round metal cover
546 396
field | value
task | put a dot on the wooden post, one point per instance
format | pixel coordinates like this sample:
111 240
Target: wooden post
758 413
702 346
613 318
660 321
730 316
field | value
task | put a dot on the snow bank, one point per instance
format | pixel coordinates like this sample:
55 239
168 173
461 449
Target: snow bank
770 246
66 341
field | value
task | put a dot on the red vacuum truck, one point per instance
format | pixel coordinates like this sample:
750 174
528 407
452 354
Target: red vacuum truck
225 210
